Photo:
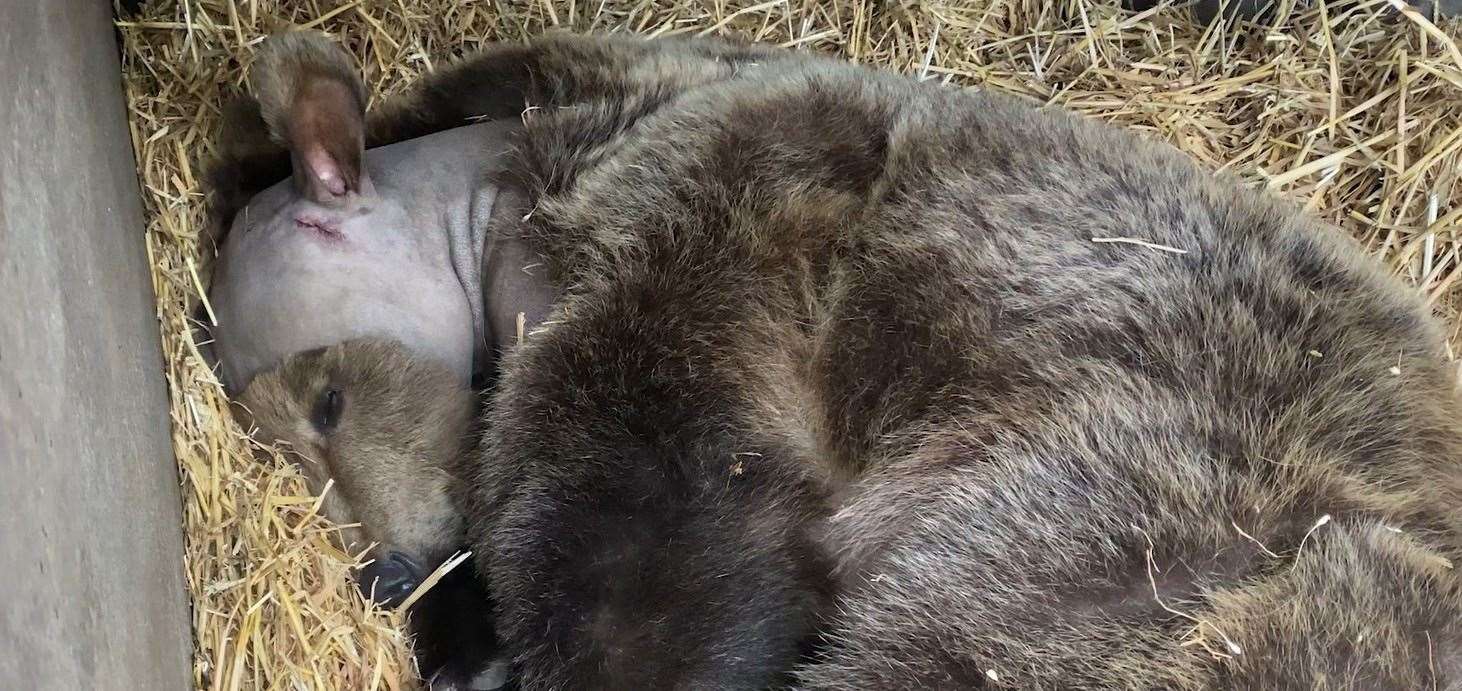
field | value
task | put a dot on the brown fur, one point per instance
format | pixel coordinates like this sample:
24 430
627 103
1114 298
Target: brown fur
403 423
289 67
389 457
810 304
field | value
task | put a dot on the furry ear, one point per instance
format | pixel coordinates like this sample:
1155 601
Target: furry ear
313 102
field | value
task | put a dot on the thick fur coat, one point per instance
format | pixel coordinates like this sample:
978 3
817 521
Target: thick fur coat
862 383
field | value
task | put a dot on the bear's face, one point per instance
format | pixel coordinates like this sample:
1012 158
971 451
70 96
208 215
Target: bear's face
380 432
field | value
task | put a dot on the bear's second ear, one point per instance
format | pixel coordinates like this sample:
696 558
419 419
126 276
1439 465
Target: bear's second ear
249 161
313 102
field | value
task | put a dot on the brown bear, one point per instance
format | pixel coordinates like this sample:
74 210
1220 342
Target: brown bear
855 382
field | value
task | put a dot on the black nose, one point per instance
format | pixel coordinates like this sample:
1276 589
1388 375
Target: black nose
390 579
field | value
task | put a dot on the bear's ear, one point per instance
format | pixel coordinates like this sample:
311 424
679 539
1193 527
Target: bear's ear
313 103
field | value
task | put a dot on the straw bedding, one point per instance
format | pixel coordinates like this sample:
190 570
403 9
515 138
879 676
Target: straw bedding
1352 109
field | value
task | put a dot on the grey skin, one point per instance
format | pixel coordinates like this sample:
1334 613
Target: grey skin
403 258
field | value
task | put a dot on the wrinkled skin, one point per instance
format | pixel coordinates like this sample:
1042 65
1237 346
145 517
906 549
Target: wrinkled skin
390 243
400 261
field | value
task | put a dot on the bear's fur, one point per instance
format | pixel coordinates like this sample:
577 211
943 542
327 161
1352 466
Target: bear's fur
845 356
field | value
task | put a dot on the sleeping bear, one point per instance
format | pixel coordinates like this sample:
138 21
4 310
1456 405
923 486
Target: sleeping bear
851 382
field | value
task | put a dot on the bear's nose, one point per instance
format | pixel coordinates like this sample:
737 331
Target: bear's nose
389 580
